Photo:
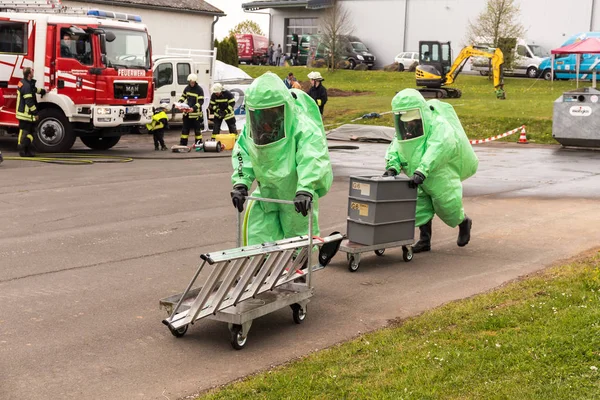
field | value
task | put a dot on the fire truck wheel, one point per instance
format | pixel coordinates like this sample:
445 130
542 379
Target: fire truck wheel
54 132
100 143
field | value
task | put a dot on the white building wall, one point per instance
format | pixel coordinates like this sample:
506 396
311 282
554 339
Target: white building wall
165 27
381 32
380 23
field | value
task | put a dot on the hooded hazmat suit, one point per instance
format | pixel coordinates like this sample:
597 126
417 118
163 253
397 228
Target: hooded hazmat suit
284 161
442 154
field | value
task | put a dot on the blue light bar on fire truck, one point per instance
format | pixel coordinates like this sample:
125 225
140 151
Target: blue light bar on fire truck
114 15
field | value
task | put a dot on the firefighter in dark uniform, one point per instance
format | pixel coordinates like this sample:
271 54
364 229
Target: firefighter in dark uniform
27 112
193 96
157 127
317 91
222 103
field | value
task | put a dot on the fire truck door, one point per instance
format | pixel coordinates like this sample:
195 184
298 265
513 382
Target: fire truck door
74 60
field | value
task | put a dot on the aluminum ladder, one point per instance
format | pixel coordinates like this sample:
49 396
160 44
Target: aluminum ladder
275 274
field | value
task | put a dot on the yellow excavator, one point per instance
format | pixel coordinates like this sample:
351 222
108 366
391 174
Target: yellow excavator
436 69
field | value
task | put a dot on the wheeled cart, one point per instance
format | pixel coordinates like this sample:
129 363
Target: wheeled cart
248 282
354 250
381 215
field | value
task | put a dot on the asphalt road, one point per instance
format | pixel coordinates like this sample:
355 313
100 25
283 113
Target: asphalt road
86 252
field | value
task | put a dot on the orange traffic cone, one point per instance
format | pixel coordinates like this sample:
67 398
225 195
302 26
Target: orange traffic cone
523 137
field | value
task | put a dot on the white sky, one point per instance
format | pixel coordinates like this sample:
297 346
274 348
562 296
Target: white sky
235 15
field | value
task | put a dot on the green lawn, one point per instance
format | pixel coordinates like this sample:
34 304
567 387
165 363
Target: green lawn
529 101
537 338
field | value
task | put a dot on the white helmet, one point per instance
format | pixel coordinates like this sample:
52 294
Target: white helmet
192 78
316 75
217 88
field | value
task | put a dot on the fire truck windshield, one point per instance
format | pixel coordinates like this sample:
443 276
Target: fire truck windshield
128 50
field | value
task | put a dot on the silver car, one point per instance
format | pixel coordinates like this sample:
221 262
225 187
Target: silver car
406 59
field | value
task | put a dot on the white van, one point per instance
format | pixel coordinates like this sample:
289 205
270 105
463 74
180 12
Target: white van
170 78
528 57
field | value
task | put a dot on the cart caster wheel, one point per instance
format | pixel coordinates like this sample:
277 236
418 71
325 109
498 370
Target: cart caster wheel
407 253
178 333
353 264
380 252
238 341
348 256
298 313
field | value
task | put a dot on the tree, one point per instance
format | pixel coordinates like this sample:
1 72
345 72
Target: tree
247 26
335 24
234 50
498 24
227 51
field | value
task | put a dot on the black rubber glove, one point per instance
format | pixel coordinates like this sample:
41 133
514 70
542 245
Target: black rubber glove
416 180
302 202
42 92
238 196
390 172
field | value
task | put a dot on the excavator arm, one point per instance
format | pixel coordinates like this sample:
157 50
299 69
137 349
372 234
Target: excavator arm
469 51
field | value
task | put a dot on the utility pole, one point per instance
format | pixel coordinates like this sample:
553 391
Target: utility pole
592 16
406 24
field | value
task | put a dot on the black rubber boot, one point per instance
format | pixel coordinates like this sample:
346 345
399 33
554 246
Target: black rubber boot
424 243
26 149
464 232
183 142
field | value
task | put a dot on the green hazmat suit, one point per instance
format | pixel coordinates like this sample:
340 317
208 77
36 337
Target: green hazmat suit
442 154
294 159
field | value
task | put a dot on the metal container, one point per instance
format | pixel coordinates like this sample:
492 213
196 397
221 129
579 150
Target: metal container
370 234
576 118
381 210
381 188
377 212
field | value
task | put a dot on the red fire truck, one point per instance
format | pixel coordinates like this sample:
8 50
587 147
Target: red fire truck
96 69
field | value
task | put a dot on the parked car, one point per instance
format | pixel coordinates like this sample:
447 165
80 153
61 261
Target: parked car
353 50
406 59
528 58
565 66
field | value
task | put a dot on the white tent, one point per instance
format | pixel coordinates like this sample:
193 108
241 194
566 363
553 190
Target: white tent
227 74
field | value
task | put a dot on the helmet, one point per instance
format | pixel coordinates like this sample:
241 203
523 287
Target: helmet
162 106
192 78
217 88
316 75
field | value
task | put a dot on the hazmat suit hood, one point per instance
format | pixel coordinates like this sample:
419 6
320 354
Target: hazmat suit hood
296 161
412 149
442 154
269 103
410 100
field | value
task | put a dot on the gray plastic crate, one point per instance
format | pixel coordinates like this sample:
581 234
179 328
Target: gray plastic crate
370 234
381 188
377 212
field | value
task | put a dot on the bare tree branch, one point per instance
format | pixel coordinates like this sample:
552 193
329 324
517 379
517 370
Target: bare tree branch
336 22
498 24
247 26
499 19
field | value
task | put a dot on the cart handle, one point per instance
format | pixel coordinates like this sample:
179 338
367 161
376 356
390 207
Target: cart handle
310 229
270 200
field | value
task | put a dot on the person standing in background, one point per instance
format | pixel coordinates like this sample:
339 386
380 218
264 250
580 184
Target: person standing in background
270 52
277 55
317 91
